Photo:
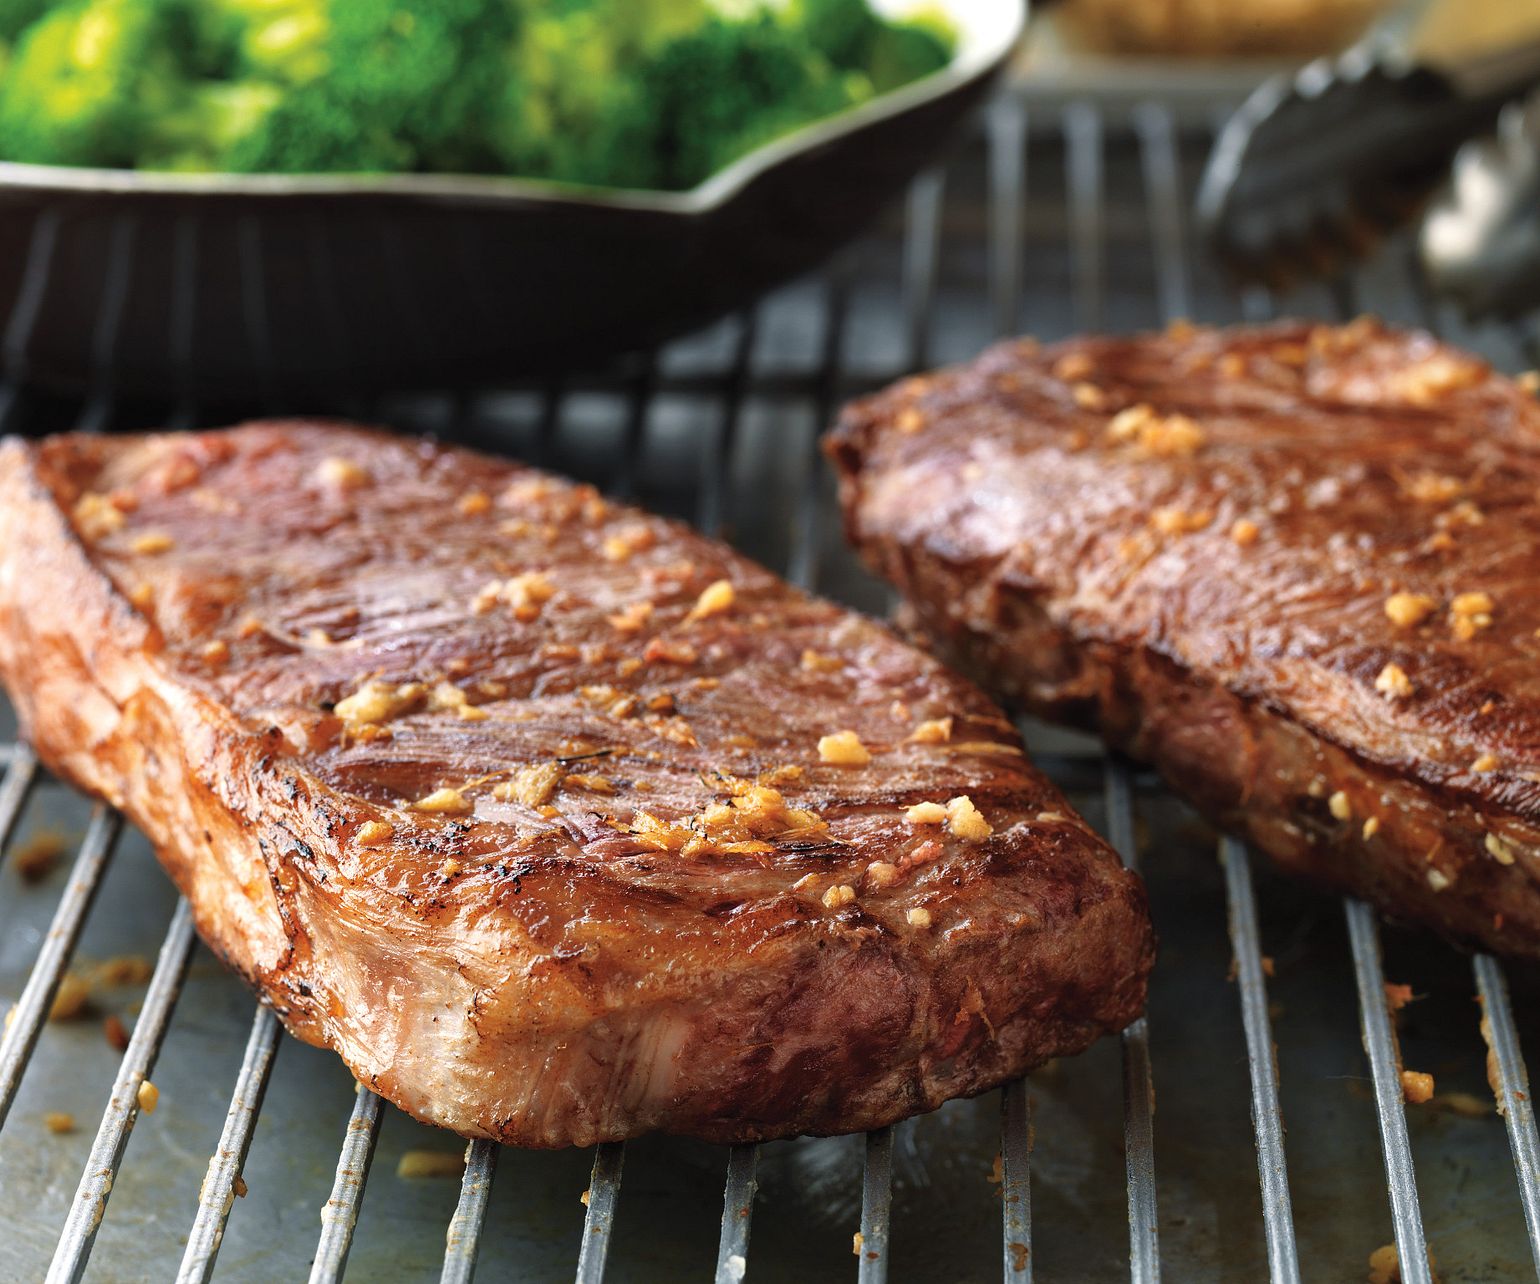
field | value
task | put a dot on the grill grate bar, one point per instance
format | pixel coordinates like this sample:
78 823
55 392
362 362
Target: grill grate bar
1163 182
1007 141
716 465
29 304
464 1236
26 1020
876 1206
85 1215
339 1214
737 1213
1266 1116
804 564
1016 1182
21 772
1083 175
218 1191
922 249
1138 1078
1384 1063
1514 1101
599 1225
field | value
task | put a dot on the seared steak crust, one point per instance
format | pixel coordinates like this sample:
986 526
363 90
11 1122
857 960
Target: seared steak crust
515 798
1295 567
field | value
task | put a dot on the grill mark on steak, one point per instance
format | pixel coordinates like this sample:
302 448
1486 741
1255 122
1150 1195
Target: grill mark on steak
1297 567
537 962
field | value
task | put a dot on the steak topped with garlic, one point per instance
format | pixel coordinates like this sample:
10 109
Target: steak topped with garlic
1296 567
559 822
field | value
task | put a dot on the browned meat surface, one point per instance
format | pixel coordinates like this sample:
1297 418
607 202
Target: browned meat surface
1297 568
522 801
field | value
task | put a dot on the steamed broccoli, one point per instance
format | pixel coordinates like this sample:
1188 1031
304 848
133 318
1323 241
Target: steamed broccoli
645 93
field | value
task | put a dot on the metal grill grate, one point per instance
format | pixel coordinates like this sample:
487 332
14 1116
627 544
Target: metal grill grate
1114 208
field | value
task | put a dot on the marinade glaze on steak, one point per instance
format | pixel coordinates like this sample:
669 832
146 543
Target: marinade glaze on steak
515 797
1295 567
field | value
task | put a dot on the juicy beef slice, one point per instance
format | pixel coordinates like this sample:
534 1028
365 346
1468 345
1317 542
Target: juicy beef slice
516 798
1296 567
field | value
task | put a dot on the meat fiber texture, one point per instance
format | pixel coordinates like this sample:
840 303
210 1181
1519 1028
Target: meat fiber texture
1295 567
522 801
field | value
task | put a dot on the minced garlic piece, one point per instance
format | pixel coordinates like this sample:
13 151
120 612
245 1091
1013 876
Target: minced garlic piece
1427 381
926 813
1433 488
1125 425
1438 880
445 801
473 503
533 588
1393 683
532 786
881 873
419 1165
1244 531
1499 850
966 821
1088 396
670 651
149 1096
919 917
1339 806
70 999
344 474
216 651
1469 613
632 539
936 731
1072 366
816 662
96 515
1529 381
1416 1087
741 826
632 618
1171 436
909 420
142 596
377 702
374 832
839 896
715 599
1408 609
1486 762
594 784
1171 520
843 749
1371 827
449 868
152 542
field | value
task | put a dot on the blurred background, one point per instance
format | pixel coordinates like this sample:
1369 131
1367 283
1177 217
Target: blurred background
202 218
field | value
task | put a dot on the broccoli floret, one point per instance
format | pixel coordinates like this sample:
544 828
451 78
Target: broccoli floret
906 52
718 92
279 40
85 82
17 15
843 31
212 119
405 84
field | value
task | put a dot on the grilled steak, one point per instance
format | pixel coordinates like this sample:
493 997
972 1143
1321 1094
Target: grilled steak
1295 567
558 822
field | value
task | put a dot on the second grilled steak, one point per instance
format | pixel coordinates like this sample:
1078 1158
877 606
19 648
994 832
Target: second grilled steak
1296 567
